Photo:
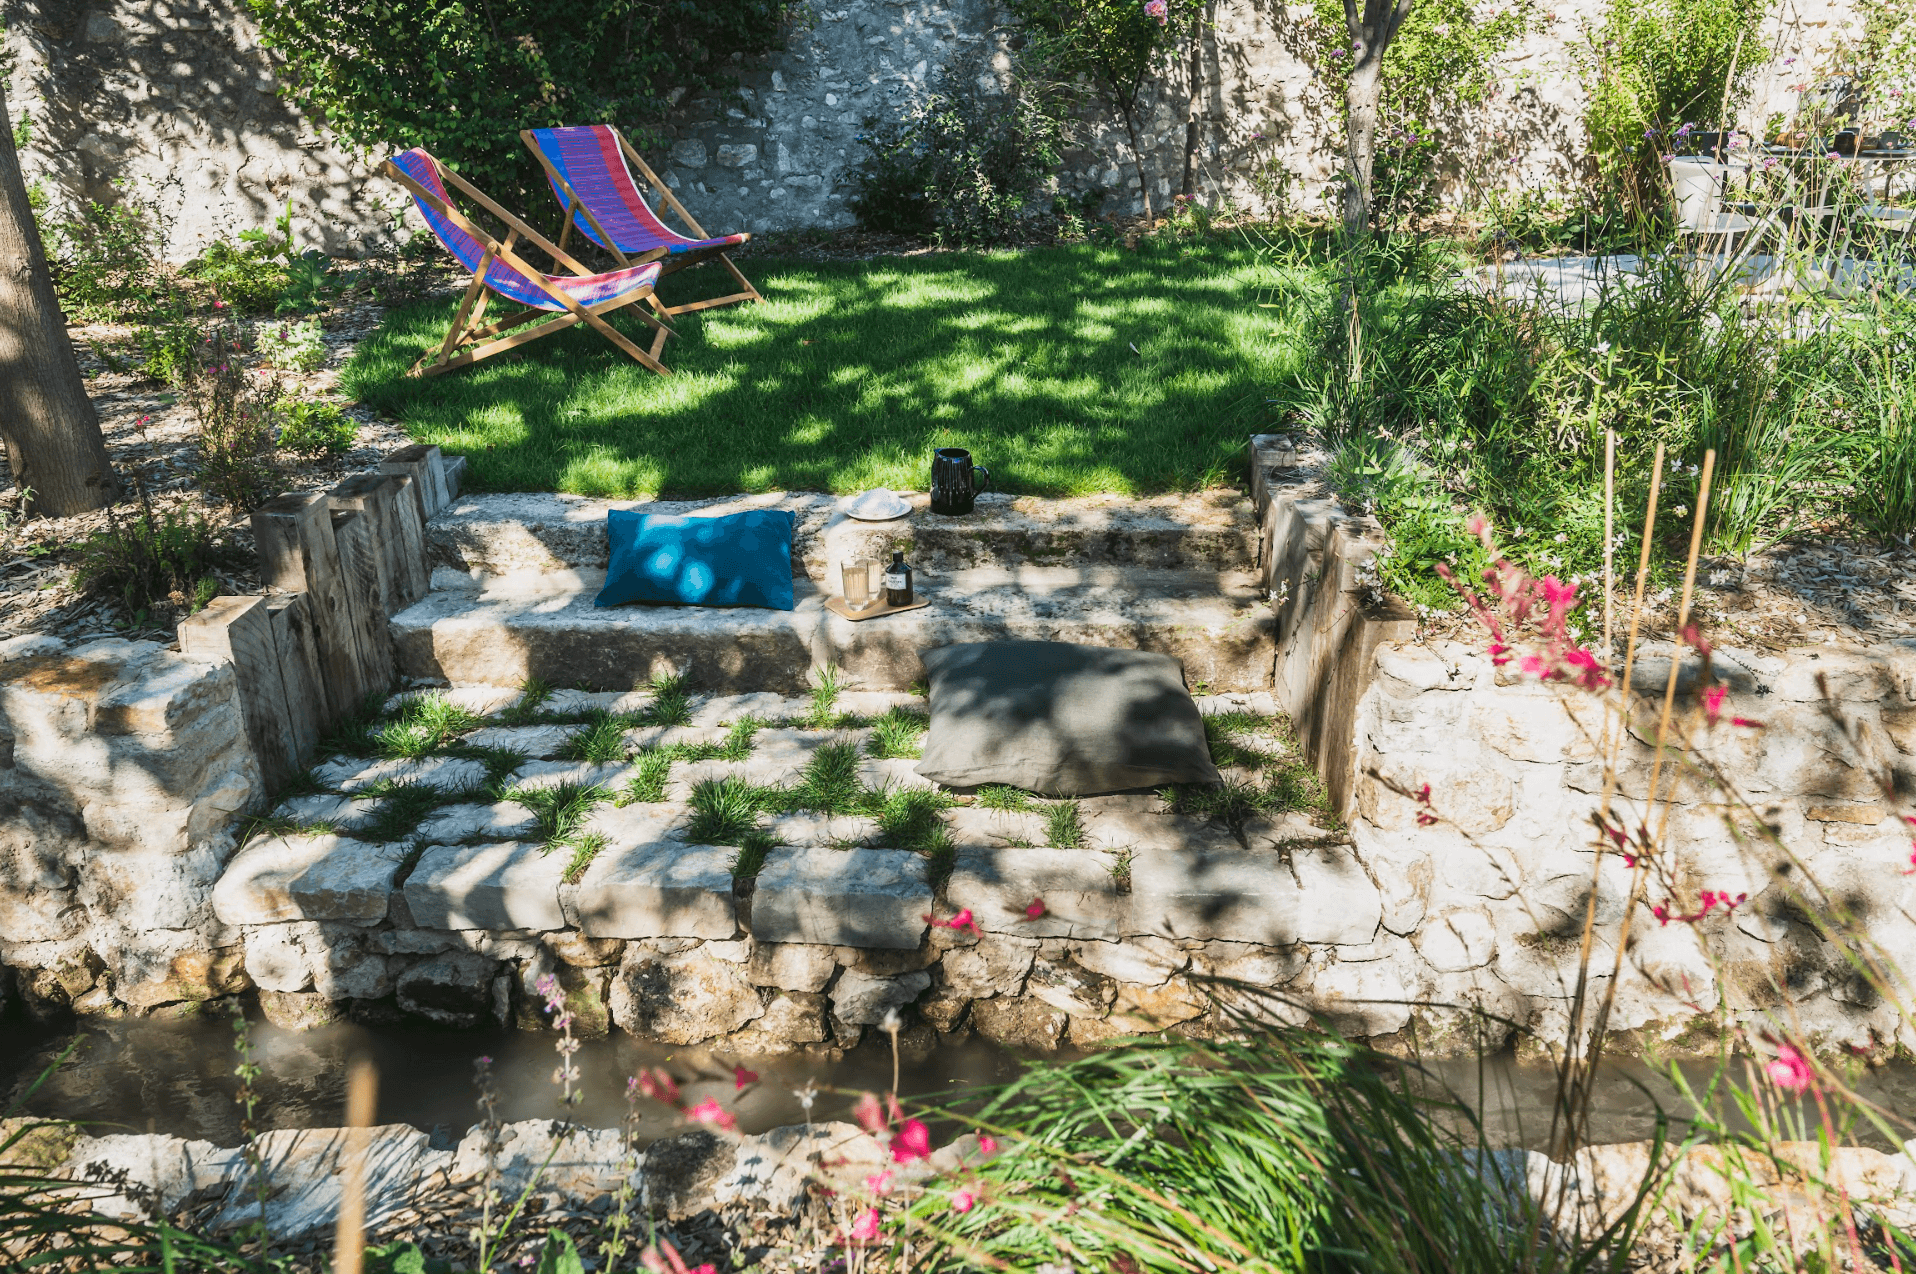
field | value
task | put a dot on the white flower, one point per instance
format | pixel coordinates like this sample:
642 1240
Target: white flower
1601 347
1560 537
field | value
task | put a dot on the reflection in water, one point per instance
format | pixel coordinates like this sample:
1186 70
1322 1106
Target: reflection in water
177 1077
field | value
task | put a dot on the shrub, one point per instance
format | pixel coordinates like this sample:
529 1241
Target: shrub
295 347
959 166
243 277
376 70
315 429
167 347
169 557
236 424
104 263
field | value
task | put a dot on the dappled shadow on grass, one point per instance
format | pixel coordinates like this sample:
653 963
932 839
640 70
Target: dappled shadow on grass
1066 370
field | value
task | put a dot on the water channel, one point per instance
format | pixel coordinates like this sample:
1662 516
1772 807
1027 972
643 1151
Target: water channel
177 1077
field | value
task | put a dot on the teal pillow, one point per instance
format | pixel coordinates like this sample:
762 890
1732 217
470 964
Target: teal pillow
739 559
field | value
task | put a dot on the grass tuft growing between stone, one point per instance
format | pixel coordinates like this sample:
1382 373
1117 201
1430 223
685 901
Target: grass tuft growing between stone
424 725
1064 825
996 796
584 849
898 735
357 734
908 818
829 782
1225 733
824 713
559 809
602 741
750 859
671 702
738 741
402 807
647 784
526 709
724 812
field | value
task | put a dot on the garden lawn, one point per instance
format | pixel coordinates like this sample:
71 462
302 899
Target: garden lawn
1065 370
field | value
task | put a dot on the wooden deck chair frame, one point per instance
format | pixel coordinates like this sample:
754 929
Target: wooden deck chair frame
674 262
467 342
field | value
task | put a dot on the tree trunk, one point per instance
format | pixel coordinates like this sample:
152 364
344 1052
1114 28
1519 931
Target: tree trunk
1361 93
51 431
1193 107
1144 189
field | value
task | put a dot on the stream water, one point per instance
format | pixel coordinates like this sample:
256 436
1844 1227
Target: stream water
177 1077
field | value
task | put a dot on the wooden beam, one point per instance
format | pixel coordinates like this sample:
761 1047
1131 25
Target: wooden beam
239 631
293 535
377 497
297 645
353 533
422 463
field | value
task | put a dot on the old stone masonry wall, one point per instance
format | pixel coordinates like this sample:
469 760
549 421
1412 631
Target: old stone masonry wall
173 101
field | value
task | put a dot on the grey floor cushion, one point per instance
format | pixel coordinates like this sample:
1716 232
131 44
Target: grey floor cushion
1060 719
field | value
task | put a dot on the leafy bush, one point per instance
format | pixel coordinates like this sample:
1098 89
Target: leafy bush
958 166
1656 65
243 277
297 347
462 80
168 347
236 423
152 559
104 263
310 428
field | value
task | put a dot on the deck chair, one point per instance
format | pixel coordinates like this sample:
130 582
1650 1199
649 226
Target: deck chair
563 300
588 168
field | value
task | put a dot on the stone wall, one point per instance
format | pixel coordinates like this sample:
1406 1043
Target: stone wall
174 99
123 769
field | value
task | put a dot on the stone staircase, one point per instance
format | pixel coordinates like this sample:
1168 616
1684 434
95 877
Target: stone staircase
515 576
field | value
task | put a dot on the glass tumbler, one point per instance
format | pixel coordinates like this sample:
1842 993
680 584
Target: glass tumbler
857 574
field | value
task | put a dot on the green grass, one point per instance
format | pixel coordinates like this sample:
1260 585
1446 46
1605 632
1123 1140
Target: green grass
671 702
852 372
899 735
647 786
602 742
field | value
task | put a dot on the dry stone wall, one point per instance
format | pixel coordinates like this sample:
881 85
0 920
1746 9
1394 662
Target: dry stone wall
173 100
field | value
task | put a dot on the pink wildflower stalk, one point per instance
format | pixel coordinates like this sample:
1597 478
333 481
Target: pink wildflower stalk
963 1201
867 1229
1709 900
663 1258
742 1077
911 1142
963 920
870 1115
659 1086
1157 9
879 1183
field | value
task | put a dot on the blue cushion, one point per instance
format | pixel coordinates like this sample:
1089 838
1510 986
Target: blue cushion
740 559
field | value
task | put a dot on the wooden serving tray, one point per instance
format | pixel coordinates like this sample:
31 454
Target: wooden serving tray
838 607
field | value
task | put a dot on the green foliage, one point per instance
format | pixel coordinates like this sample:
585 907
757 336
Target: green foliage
830 783
671 702
155 558
402 807
422 725
1656 65
561 811
908 819
235 422
824 713
647 784
244 277
104 263
898 735
1443 55
958 166
168 347
296 347
1063 825
724 811
996 796
462 81
314 428
601 742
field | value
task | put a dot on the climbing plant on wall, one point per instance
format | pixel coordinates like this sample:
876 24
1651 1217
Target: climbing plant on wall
462 77
1113 46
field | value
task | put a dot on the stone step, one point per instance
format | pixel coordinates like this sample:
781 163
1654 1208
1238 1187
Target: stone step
501 629
1211 530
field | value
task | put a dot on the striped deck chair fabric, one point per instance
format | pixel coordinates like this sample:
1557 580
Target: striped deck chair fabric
590 169
553 302
589 159
592 289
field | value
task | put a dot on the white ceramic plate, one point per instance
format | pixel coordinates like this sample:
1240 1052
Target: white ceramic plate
877 505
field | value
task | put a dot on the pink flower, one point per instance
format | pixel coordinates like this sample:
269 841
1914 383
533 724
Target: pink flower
1713 702
710 1112
879 1183
663 1258
869 1114
988 1145
963 920
1337 53
1035 910
1790 1071
741 1077
1157 9
963 1201
913 1141
866 1228
659 1086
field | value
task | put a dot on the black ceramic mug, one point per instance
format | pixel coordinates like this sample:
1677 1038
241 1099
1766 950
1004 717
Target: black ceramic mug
955 482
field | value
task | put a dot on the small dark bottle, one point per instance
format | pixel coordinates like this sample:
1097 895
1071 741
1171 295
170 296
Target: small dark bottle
898 582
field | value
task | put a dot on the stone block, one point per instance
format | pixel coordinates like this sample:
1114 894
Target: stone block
791 966
342 813
541 742
1080 895
1338 902
1841 674
863 1000
1411 669
1455 940
1145 961
453 990
724 710
307 878
276 959
447 774
454 824
1136 829
658 889
689 154
538 775
972 827
993 965
808 828
684 998
852 897
1240 895
737 156
795 1017
514 885
1019 1023
641 823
